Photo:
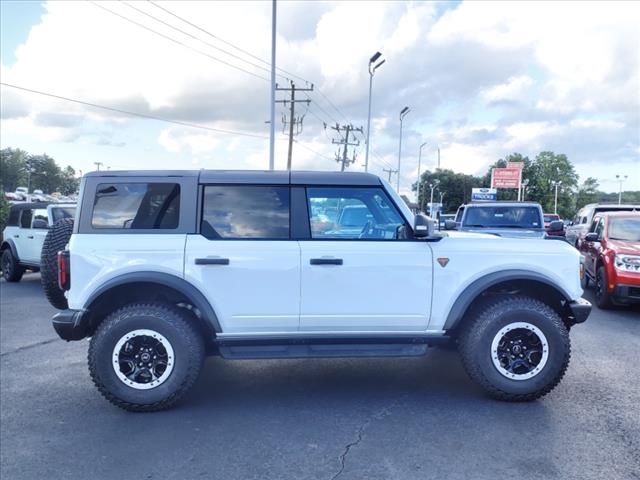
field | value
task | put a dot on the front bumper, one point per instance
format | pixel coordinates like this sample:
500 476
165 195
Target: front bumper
71 324
579 310
626 293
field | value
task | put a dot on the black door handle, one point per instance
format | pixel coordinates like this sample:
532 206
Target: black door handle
16 236
29 236
325 261
212 261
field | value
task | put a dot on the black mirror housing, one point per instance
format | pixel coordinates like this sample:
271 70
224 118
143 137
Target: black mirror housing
450 225
422 226
591 237
556 225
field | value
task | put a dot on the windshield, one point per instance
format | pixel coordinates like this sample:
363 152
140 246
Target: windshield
502 217
625 229
551 218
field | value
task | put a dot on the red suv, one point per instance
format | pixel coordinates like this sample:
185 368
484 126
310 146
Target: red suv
612 258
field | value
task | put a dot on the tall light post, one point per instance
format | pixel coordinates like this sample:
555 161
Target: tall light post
373 66
419 162
525 182
403 113
433 185
556 184
620 179
272 111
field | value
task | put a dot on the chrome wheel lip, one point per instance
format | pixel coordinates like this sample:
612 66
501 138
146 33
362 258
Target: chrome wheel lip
139 333
508 328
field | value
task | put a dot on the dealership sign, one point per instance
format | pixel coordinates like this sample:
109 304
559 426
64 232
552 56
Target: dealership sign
484 194
506 177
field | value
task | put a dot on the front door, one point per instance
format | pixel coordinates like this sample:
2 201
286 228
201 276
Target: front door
359 272
244 261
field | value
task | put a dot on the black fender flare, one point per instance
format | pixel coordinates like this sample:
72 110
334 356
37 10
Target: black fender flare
464 300
8 243
194 295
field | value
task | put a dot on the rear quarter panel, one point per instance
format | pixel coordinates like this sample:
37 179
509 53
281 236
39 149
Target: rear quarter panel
472 257
97 258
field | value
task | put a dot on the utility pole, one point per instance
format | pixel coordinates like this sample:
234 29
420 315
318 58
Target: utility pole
419 165
432 186
292 119
98 164
389 171
347 129
438 158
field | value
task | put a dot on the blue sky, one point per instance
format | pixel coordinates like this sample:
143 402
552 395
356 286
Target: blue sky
482 80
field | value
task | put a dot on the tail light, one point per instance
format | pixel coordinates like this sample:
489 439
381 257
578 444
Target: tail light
64 278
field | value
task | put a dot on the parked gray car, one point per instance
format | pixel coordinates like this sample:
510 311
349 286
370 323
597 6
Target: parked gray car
581 222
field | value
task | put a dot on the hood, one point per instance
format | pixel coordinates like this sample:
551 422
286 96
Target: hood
508 232
626 247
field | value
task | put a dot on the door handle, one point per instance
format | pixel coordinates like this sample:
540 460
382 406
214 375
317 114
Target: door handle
325 261
212 261
29 236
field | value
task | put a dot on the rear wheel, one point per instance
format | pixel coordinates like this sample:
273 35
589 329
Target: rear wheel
12 271
603 298
517 349
57 238
145 357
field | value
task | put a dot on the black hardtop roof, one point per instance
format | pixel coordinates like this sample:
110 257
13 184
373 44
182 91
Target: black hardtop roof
30 205
271 177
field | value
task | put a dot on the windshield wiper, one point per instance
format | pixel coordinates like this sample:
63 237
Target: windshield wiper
474 225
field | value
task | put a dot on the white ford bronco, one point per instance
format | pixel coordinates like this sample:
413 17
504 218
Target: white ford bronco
164 268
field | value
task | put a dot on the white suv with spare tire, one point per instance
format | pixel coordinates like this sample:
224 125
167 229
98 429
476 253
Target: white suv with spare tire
165 267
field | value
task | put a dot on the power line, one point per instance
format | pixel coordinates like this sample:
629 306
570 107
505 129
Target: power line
226 52
312 150
179 42
135 114
226 42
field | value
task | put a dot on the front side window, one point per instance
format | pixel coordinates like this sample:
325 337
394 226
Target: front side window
40 218
59 213
137 206
353 213
246 212
600 227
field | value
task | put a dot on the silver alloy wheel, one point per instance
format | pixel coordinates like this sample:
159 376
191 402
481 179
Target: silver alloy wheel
519 351
143 359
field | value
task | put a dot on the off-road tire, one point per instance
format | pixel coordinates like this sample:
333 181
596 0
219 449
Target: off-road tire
603 298
475 348
171 322
12 271
57 238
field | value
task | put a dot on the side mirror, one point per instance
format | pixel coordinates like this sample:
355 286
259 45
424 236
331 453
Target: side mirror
556 225
450 225
591 237
41 224
422 226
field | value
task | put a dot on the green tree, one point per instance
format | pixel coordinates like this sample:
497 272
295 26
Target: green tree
587 193
4 212
68 181
46 174
548 168
13 169
527 173
455 186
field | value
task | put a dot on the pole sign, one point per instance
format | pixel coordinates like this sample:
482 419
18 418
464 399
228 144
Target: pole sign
505 177
519 165
484 194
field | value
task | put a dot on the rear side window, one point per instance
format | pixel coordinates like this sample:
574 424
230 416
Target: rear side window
246 212
136 206
25 218
14 217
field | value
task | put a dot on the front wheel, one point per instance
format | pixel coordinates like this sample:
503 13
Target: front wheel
517 349
145 357
603 298
12 271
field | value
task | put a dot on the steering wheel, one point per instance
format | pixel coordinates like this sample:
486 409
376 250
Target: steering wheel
365 230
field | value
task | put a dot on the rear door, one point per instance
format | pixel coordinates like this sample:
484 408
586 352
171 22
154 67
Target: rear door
243 259
362 275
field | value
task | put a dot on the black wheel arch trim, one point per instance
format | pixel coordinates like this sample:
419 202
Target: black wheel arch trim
464 300
193 294
8 243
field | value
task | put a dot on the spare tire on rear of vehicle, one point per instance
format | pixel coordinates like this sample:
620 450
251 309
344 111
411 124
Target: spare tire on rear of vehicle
57 238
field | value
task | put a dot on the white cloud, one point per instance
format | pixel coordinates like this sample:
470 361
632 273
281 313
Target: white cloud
512 90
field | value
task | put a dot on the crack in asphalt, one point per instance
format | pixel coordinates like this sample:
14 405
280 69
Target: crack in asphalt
384 412
27 347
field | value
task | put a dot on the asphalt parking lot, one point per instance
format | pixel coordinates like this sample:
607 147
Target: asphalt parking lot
417 418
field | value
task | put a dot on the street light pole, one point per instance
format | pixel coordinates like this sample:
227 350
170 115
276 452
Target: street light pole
620 179
432 186
372 69
403 113
272 126
418 189
556 184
